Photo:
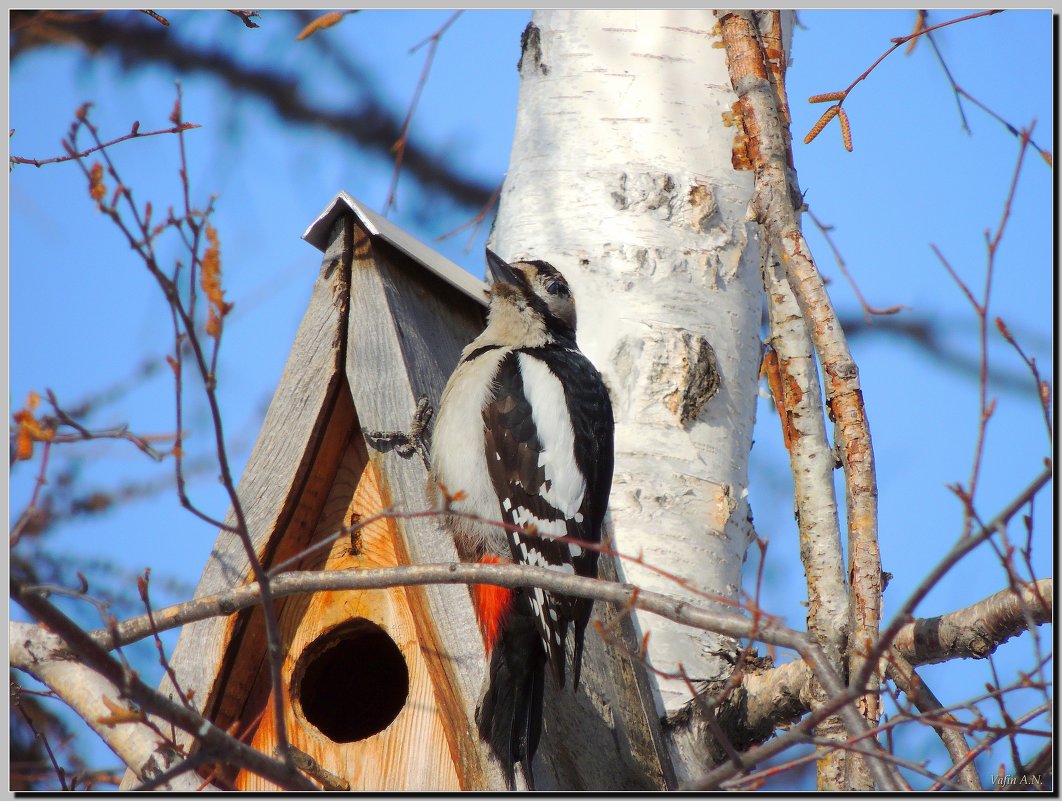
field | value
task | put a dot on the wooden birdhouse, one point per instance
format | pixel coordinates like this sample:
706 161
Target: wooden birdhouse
381 685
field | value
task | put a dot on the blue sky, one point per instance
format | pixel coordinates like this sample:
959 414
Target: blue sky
84 314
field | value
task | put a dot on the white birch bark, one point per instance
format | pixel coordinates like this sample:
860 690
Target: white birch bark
95 699
621 177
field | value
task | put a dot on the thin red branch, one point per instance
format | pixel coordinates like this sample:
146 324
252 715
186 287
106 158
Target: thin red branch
868 310
903 718
964 546
144 248
121 432
134 134
955 276
399 147
142 586
931 28
1043 388
901 40
16 691
898 42
987 743
475 222
603 548
987 407
30 511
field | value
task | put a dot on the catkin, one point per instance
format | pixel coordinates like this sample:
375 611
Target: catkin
846 129
829 114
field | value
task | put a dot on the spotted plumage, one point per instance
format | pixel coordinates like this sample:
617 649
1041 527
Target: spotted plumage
525 429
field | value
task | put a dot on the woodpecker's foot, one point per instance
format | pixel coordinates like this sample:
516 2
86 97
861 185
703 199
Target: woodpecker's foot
405 443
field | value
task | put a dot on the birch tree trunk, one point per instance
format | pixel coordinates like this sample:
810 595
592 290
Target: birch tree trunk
621 177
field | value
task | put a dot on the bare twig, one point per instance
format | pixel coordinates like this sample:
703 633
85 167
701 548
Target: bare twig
918 693
961 548
369 123
756 778
144 248
31 512
83 434
474 223
399 147
136 133
915 767
150 701
960 93
969 492
898 42
246 17
142 586
987 743
447 510
868 310
1043 388
16 692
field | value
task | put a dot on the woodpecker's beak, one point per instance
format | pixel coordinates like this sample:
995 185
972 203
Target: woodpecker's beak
500 269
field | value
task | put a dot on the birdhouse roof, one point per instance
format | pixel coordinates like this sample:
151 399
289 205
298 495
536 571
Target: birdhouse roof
319 234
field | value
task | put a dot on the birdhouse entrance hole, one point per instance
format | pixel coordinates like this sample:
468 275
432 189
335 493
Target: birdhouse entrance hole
351 682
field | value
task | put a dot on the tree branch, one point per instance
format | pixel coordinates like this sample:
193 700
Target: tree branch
47 657
918 693
812 462
977 630
766 145
187 331
774 697
729 624
133 134
961 548
512 576
89 653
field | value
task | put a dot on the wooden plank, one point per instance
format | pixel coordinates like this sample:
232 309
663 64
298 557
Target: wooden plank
244 680
275 480
407 328
412 752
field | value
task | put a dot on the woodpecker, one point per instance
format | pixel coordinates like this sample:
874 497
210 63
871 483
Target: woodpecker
525 433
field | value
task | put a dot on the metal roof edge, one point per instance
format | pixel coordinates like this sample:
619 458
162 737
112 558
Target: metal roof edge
321 229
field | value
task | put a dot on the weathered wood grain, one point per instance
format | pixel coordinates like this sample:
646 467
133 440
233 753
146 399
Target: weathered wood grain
407 328
243 683
277 472
413 752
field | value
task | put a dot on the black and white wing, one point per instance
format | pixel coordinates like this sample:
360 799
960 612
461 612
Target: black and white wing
549 452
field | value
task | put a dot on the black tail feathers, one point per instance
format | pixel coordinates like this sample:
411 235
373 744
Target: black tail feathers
510 713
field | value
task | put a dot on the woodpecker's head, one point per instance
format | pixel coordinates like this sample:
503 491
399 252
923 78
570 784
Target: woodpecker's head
537 292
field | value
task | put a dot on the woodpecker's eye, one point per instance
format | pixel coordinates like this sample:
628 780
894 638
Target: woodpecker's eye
557 288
